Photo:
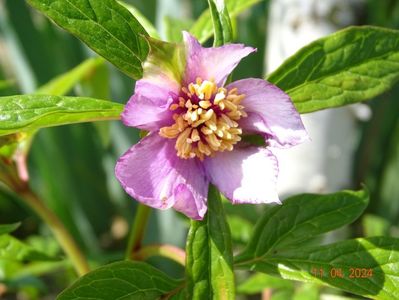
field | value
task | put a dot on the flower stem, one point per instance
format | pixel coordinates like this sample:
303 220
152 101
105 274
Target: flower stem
138 228
60 232
174 253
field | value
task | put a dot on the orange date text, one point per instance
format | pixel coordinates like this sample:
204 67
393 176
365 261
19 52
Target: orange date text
351 272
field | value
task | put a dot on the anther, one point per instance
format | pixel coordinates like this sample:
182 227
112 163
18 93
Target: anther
205 104
206 130
195 135
211 125
207 115
174 106
188 104
194 116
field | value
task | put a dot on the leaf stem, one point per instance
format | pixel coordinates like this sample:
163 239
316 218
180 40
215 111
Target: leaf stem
60 232
139 226
169 251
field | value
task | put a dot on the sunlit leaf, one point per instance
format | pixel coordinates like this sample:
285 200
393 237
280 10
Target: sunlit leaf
122 280
301 218
29 112
366 267
209 265
349 66
105 26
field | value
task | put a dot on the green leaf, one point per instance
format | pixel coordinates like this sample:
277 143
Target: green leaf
13 249
105 26
7 228
203 29
366 267
222 30
258 282
301 218
29 112
62 84
122 280
209 266
147 25
352 65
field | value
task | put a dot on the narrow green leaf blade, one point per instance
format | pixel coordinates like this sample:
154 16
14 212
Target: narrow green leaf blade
121 280
62 84
352 65
209 267
7 228
15 250
301 218
105 26
366 267
223 32
30 112
202 28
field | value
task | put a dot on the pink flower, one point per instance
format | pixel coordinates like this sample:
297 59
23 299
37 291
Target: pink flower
196 124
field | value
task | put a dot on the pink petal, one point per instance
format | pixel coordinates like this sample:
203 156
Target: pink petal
212 63
270 111
148 108
151 172
245 175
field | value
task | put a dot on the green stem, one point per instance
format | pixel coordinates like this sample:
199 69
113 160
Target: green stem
174 253
138 228
60 232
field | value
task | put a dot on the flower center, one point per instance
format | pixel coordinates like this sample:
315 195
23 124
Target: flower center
205 120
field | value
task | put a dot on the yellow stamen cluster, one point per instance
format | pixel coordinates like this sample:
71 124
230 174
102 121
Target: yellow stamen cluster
205 120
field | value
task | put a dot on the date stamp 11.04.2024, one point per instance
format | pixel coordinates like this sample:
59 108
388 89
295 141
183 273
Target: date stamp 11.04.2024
349 273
